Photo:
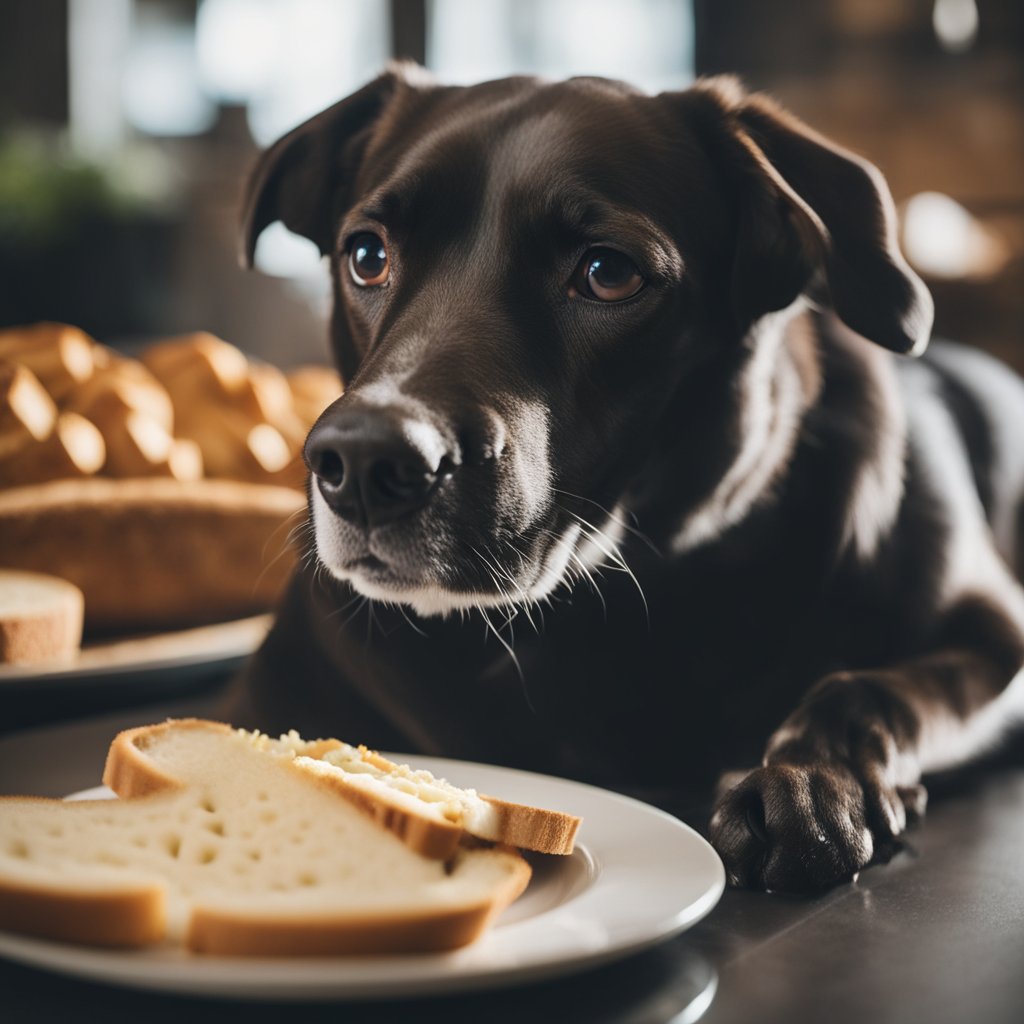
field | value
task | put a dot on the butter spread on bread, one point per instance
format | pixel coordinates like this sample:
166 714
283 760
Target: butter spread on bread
430 814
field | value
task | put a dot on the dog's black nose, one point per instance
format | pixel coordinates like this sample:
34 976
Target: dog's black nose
374 465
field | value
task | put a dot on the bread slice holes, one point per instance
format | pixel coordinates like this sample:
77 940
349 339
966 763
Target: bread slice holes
256 855
216 827
308 879
208 805
140 841
172 844
18 848
268 817
55 832
262 797
207 855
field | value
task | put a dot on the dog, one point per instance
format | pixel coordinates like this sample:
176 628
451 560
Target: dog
633 479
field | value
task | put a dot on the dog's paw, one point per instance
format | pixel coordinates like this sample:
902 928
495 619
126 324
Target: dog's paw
803 828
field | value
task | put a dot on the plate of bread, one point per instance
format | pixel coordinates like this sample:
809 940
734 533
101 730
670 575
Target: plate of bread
216 861
147 495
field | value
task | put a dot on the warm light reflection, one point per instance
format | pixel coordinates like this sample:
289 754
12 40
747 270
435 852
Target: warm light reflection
942 239
955 23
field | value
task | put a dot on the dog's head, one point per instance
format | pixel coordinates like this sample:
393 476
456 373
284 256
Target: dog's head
541 290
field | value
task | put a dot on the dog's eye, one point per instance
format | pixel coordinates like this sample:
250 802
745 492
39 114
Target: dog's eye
368 260
607 275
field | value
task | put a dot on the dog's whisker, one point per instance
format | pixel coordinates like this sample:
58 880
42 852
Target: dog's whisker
611 551
494 579
360 602
524 596
640 535
512 655
371 621
494 569
585 573
412 625
291 539
346 605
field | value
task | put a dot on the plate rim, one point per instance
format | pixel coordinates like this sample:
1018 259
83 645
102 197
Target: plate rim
239 638
168 970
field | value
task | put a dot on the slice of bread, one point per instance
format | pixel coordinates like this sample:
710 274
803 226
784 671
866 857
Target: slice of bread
238 853
40 618
429 814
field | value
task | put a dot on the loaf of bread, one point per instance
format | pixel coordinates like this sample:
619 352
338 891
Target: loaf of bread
431 815
40 618
239 853
153 553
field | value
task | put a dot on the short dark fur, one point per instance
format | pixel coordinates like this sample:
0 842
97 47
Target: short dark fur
827 589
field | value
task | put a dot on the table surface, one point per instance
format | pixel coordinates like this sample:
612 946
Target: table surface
935 936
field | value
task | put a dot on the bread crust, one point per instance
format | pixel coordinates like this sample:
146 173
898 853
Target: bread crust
126 915
535 828
532 828
41 632
130 773
155 552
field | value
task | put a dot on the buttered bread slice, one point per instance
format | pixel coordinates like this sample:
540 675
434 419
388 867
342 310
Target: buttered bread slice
238 853
429 814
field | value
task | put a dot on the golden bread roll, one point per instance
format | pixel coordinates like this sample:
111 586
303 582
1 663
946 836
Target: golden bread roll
40 618
195 366
155 552
138 446
185 460
27 412
265 394
235 447
74 448
119 387
59 355
313 389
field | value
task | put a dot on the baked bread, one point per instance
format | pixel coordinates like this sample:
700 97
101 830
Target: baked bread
40 618
155 552
59 355
239 853
431 815
163 525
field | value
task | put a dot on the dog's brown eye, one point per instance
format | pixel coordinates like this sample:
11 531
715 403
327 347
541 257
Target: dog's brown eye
368 260
607 275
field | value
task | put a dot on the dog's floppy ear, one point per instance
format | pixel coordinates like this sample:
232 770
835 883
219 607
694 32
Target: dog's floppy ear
806 202
300 180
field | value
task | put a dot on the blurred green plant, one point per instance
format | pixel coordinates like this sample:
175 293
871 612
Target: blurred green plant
84 243
46 194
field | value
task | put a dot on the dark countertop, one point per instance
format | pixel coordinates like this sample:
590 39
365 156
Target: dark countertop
935 936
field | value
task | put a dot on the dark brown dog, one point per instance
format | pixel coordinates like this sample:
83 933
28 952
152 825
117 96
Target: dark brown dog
571 312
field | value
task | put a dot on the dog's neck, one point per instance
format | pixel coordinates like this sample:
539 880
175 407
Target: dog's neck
780 381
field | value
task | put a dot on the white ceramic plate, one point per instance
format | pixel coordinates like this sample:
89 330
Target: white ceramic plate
637 877
154 656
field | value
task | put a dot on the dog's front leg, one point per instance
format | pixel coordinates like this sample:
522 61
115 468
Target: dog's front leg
841 777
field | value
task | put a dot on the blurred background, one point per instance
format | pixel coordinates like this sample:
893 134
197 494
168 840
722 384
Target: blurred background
127 128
